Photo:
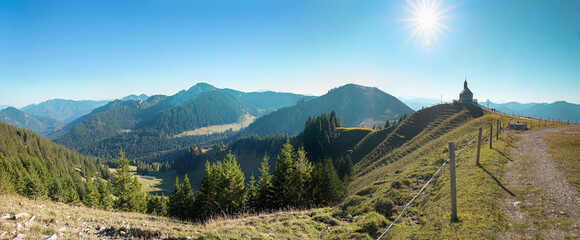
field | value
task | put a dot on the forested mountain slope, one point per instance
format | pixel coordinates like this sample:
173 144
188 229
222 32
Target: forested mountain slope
356 105
38 168
42 125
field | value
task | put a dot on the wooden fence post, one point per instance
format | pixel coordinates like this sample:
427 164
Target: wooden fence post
497 130
478 147
490 135
452 183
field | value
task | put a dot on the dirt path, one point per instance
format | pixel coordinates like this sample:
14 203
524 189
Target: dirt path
544 205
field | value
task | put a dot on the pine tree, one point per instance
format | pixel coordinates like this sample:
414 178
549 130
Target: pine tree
282 175
326 186
174 206
91 198
300 176
105 199
188 199
55 191
230 188
387 124
205 201
264 188
126 188
252 194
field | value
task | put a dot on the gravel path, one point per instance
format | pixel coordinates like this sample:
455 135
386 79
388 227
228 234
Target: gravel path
544 205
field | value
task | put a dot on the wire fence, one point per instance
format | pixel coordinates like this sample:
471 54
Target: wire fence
427 183
500 128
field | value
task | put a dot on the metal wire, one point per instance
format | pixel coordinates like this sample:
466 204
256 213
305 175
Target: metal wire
427 183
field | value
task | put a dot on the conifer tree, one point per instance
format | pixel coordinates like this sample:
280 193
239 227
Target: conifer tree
206 198
91 198
387 124
252 194
282 174
126 188
230 188
188 199
300 176
105 199
174 206
264 188
326 186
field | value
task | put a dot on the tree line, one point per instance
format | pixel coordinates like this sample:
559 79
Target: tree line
295 182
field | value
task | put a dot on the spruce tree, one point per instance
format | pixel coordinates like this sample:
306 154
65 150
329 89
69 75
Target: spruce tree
188 199
205 201
300 176
230 188
91 198
282 174
326 186
252 194
105 199
126 188
264 188
174 206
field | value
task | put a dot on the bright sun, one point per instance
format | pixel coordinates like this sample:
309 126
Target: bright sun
426 21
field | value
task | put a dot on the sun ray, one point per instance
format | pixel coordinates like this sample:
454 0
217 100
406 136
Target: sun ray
425 20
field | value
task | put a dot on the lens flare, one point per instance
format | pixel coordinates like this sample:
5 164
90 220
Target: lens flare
425 20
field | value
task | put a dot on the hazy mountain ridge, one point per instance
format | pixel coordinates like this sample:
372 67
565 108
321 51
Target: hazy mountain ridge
44 126
557 110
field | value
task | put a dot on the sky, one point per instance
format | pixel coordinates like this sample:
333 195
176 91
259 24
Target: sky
525 51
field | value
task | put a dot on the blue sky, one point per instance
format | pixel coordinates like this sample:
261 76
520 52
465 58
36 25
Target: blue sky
526 51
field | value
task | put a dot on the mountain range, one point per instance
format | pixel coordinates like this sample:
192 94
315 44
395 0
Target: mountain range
158 128
557 110
203 114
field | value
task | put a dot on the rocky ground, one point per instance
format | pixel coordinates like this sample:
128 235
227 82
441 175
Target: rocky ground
543 204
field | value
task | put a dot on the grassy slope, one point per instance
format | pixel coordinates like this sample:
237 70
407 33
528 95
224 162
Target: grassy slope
51 217
399 175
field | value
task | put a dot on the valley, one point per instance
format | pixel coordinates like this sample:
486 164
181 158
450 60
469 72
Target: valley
243 122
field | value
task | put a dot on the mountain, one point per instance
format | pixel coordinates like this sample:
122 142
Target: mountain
142 97
268 101
159 125
557 110
63 110
357 106
42 125
2 107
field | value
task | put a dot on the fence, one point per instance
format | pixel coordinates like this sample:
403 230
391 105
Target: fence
500 128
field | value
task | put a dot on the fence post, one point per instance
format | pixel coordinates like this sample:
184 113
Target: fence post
497 130
490 135
478 147
452 183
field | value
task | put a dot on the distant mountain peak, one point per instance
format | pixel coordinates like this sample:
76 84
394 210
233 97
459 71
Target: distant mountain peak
135 97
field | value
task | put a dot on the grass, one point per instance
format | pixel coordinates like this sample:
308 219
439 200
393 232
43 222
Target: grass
565 150
53 217
244 121
415 162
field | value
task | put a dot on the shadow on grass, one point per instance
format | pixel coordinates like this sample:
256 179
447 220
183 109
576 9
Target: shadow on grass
507 143
497 181
503 154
